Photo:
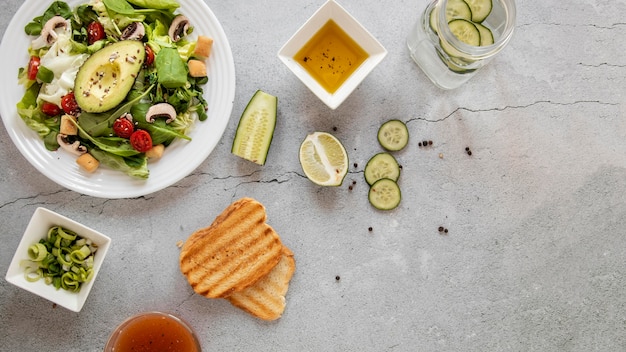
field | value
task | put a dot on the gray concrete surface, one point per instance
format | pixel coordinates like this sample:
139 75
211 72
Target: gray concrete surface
534 257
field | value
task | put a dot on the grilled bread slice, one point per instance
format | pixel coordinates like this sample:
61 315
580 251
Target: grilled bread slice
234 252
265 299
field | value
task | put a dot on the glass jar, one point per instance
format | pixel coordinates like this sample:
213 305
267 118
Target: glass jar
445 59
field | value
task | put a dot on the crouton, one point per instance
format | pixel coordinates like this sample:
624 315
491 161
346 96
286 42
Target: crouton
68 125
203 47
155 152
197 68
87 162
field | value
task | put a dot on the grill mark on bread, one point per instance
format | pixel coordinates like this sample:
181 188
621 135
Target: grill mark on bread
236 250
265 299
219 276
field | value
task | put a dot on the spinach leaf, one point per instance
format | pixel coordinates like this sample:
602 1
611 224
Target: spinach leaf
159 130
171 70
57 8
100 124
114 145
156 4
119 6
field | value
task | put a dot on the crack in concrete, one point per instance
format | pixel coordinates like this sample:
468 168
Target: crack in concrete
600 65
609 27
285 177
513 107
32 198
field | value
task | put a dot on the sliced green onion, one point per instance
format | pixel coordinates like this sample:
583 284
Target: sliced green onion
68 235
37 252
78 256
33 274
63 259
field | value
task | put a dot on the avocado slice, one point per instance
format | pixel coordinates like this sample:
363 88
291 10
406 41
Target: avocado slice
106 77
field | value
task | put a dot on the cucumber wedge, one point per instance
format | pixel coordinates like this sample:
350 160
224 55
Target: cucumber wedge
256 128
480 9
385 194
393 135
381 165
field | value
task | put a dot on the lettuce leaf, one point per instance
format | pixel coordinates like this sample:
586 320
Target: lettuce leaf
135 166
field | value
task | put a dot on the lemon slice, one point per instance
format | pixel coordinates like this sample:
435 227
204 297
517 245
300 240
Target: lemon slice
323 159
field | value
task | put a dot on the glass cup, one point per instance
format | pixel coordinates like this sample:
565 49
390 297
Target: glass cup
153 331
444 58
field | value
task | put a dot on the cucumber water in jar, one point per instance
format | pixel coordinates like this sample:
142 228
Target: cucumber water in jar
453 39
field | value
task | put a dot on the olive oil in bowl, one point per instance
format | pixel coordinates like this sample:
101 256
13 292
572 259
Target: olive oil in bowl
331 56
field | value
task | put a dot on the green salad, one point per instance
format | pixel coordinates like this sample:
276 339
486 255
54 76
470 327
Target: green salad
112 81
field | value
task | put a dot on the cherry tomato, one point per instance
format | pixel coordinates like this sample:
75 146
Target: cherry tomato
141 141
33 67
95 32
123 128
50 109
149 55
69 104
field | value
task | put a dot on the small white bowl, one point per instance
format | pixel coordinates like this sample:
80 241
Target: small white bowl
41 221
331 10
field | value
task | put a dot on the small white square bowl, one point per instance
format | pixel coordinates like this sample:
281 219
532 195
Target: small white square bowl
331 10
41 221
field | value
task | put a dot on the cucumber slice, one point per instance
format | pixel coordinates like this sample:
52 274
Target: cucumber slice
454 9
465 31
458 9
486 36
256 128
385 194
432 19
480 9
393 135
381 165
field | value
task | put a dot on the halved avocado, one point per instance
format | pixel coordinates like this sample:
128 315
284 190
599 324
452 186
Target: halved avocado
106 77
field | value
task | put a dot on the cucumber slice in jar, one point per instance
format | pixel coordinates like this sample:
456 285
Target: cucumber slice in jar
480 9
256 128
393 135
458 9
486 36
455 9
465 31
381 165
385 194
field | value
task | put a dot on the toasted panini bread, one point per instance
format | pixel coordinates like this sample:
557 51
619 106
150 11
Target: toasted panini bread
234 252
265 299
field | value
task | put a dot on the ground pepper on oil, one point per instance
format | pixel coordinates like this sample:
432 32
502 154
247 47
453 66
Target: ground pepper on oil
331 56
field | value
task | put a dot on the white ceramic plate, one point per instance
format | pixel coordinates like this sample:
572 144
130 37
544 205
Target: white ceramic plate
180 158
41 221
